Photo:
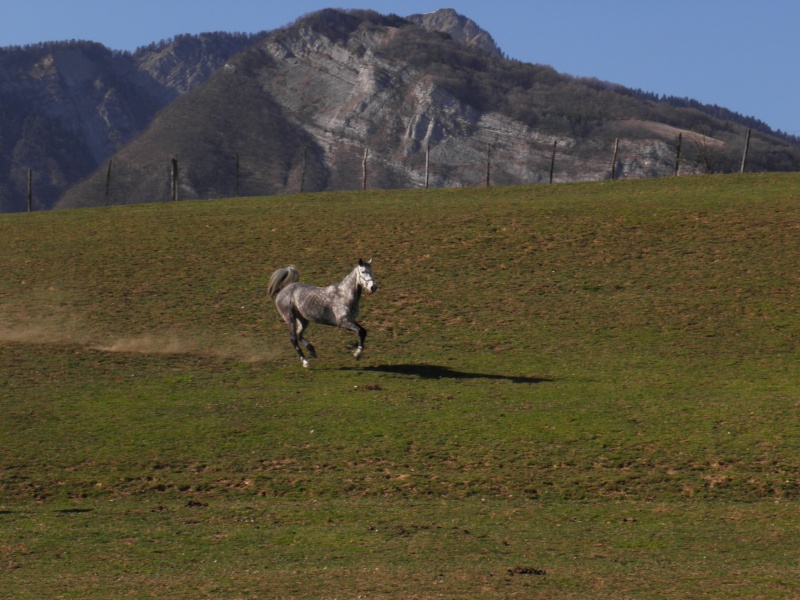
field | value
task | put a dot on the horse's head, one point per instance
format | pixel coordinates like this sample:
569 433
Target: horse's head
365 279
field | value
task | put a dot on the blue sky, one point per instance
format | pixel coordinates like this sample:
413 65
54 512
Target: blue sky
740 54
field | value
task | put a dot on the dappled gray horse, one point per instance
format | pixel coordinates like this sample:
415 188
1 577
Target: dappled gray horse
337 304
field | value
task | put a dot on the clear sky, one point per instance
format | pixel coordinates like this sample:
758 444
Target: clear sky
740 54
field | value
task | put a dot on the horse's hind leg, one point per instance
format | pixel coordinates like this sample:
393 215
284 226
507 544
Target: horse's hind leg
310 347
301 325
295 333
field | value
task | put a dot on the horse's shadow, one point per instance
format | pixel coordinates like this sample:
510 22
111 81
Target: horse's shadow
426 371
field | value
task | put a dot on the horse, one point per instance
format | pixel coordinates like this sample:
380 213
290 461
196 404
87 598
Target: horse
336 305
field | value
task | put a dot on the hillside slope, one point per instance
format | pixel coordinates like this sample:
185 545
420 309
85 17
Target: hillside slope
630 247
563 386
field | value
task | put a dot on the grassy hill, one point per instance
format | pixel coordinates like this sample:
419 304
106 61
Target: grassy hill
577 390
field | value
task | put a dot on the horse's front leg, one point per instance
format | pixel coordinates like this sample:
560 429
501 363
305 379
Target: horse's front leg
362 335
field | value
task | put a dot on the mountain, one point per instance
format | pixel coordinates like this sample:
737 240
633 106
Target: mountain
67 107
297 109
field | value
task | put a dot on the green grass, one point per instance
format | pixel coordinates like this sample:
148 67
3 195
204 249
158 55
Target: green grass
582 390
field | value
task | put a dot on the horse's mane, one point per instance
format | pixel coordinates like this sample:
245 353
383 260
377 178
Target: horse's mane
281 278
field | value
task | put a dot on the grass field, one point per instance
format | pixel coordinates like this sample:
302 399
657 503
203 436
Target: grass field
568 391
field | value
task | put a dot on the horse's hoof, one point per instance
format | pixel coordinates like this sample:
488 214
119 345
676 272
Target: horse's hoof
358 352
306 364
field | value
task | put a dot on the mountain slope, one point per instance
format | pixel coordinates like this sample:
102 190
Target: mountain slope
299 107
337 84
66 107
328 76
207 162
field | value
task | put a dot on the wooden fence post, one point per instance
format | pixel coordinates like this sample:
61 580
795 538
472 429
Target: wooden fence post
427 164
488 165
614 161
108 181
303 174
238 191
553 160
678 154
174 179
364 170
746 149
30 190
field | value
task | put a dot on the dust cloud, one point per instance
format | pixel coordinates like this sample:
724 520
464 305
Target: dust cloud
240 349
54 330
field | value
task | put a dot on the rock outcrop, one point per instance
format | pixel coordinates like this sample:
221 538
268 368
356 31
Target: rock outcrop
458 27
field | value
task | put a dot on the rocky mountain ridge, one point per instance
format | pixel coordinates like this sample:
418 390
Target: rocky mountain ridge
428 99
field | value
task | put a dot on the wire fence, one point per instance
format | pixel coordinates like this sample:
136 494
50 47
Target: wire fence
497 164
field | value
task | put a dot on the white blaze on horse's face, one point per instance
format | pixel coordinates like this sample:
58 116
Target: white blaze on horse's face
365 279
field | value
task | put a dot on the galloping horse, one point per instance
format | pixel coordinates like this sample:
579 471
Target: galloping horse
337 304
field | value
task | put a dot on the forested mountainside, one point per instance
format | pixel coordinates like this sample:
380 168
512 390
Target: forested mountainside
335 96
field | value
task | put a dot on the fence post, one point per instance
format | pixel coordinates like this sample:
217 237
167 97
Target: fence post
237 176
746 149
427 164
303 174
553 160
488 165
174 179
614 161
364 170
678 154
108 181
30 190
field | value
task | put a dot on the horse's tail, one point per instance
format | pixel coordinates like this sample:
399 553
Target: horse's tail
281 278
